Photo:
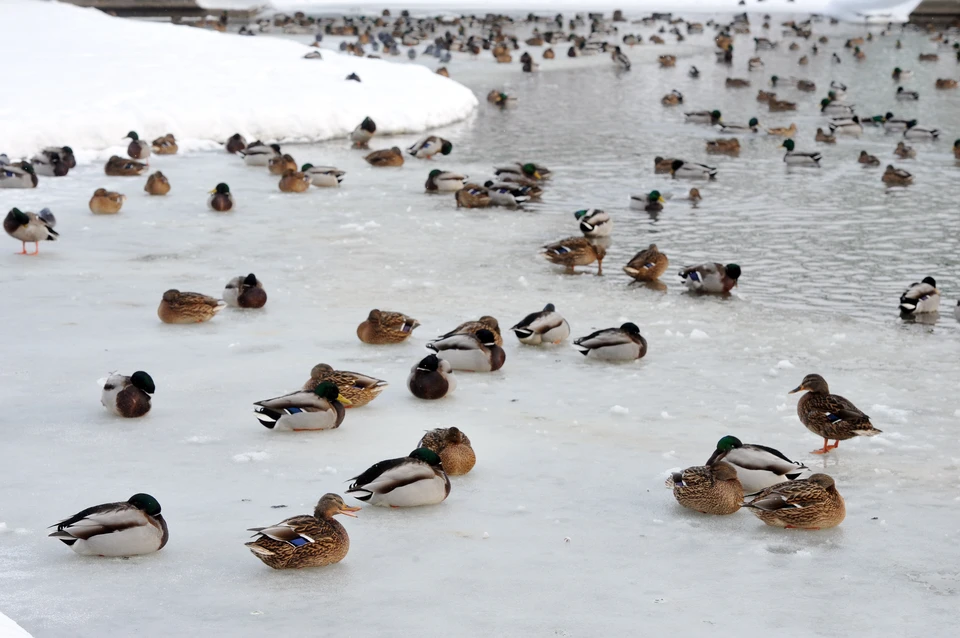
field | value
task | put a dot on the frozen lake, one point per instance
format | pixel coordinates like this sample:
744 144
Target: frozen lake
564 527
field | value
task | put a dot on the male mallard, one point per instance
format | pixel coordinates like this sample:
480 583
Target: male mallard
920 298
64 156
789 131
830 415
117 166
499 98
293 181
899 74
545 326
867 159
904 152
472 196
128 528
708 489
620 59
319 409
647 265
166 145
945 83
453 447
673 98
363 133
128 396
477 352
385 157
846 126
323 176
613 344
914 132
305 541
689 170
383 327
106 202
50 162
280 164
511 194
825 138
19 175
694 72
652 202
157 184
575 251
30 227
486 322
724 146
858 54
431 378
259 154
799 158
439 181
410 481
831 108
893 124
737 83
896 176
522 172
703 117
429 146
811 503
137 149
777 106
758 466
187 307
594 222
906 96
359 389
221 199
733 129
245 292
710 277
663 164
235 143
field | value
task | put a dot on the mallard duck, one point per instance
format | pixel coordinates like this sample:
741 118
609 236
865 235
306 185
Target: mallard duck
737 83
280 164
106 202
508 194
825 138
904 152
305 541
763 44
835 109
385 157
594 222
829 415
323 176
906 96
30 227
724 146
18 176
49 162
429 146
187 307
439 181
221 199
689 170
166 145
694 72
128 396
673 98
647 265
235 143
499 98
477 352
803 61
319 409
806 86
613 344
846 126
382 327
896 176
119 167
486 322
652 202
708 489
359 389
893 124
758 466
445 73
694 196
765 96
663 164
920 298
899 74
259 154
453 446
157 184
811 503
667 60
800 158
363 133
293 181
411 481
545 326
620 59
781 105
929 57
710 277
431 378
789 131
137 149
472 196
703 117
867 159
245 292
946 83
914 132
575 251
128 528
755 64
858 54
64 155
524 171
956 149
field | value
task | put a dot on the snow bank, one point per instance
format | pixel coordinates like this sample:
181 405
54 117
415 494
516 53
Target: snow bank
96 77
10 629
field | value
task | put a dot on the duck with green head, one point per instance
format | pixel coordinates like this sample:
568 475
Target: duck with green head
18 175
429 146
323 176
221 199
703 117
128 397
758 466
711 277
30 227
320 409
732 129
129 528
137 149
652 202
799 158
411 481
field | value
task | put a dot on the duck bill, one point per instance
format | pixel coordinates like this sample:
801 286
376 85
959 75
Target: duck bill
661 200
716 456
213 191
346 510
344 400
799 388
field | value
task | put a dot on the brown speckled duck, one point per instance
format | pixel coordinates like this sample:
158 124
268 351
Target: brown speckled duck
281 164
119 167
453 446
382 327
293 181
485 322
708 489
157 184
830 415
575 251
187 307
647 265
166 145
106 202
359 389
386 157
811 503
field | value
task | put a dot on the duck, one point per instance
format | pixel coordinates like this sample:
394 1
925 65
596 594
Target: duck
920 298
755 64
473 196
777 106
620 59
829 415
432 378
703 117
613 344
259 154
689 170
788 131
166 145
825 138
896 176
929 57
221 199
523 170
867 159
667 61
846 126
806 85
945 83
385 157
439 181
137 149
293 181
30 227
803 61
736 83
904 152
499 98
893 124
835 109
800 158
362 135
245 292
323 176
235 143
710 277
414 480
128 397
319 409
858 54
899 74
724 146
187 307
486 322
905 96
647 265
106 202
477 352
956 149
594 222
383 327
914 132
359 389
663 164
157 184
652 202
575 251
507 194
305 541
131 528
732 129
117 166
811 503
694 196
694 72
765 96
758 466
19 175
49 163
280 164
64 155
429 146
453 446
673 98
544 326
708 489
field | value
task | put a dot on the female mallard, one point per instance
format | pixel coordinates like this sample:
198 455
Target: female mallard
385 157
445 73
439 181
765 96
187 307
137 149
281 164
50 163
323 176
825 138
914 132
800 158
667 60
755 64
904 152
830 415
221 199
736 83
429 146
708 489
788 131
106 202
724 146
128 397
166 145
703 117
689 170
382 327
453 447
620 59
835 109
694 196
811 503
804 60
711 277
119 167
673 98
920 298
929 57
410 481
128 528
319 409
778 106
733 129
359 389
473 196
946 83
259 154
305 541
663 164
956 149
245 292
431 378
906 96
867 159
647 265
847 126
486 322
157 184
19 175
575 251
235 143
477 352
758 467
806 85
30 227
293 181
545 326
363 133
613 344
594 222
896 176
